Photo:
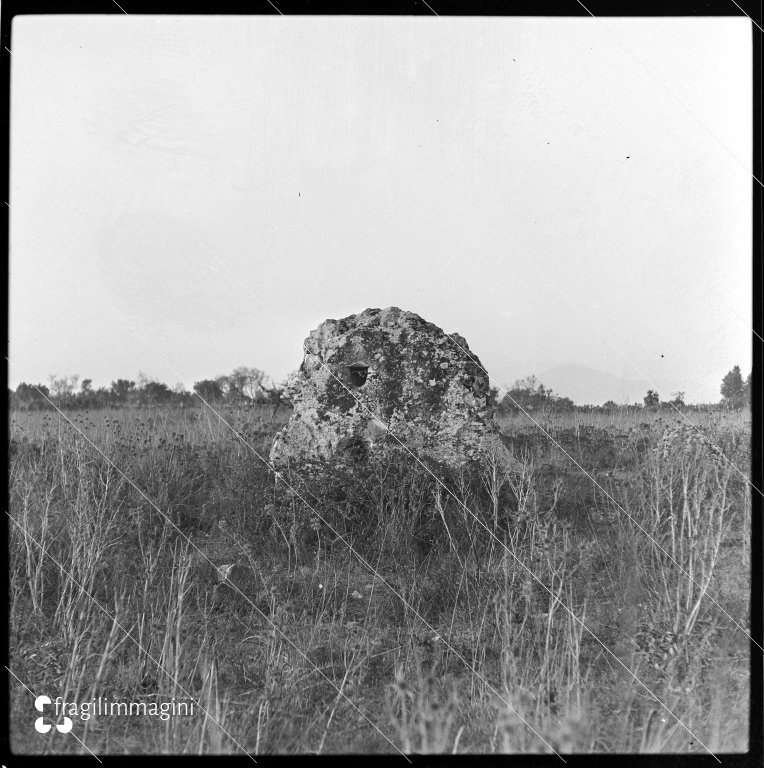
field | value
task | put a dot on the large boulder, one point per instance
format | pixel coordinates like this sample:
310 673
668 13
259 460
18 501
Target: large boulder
386 378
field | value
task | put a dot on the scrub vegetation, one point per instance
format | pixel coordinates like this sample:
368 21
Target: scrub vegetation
592 598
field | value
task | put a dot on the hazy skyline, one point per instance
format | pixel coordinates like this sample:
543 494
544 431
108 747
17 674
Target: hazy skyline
192 194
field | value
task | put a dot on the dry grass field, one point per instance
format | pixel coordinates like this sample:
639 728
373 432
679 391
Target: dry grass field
372 611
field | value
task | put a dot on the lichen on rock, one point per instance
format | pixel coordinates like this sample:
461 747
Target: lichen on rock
386 378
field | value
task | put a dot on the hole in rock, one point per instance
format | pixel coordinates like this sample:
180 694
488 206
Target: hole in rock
357 373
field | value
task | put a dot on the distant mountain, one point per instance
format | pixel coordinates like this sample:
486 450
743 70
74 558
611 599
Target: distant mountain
588 385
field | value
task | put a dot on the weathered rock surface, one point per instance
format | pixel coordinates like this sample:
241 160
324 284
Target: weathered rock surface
380 370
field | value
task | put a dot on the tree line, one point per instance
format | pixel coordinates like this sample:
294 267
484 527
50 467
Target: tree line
245 386
735 392
530 394
242 386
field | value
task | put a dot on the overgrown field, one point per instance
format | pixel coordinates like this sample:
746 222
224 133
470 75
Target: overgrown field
529 610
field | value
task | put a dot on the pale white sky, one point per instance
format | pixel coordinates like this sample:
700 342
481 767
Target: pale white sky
191 194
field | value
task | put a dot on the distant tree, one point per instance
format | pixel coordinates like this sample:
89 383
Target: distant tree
610 405
529 383
31 396
62 387
529 394
652 399
208 389
525 394
182 397
275 394
253 382
677 399
733 389
84 398
223 383
243 384
154 393
121 388
101 398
